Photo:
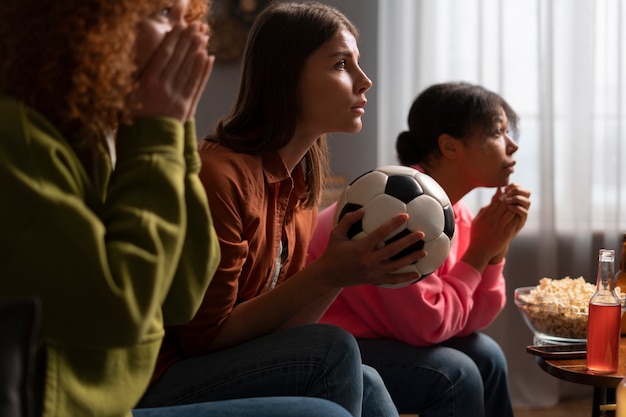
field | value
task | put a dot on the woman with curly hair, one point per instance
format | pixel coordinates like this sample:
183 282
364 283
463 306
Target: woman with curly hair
112 255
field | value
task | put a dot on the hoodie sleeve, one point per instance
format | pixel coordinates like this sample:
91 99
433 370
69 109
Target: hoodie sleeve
453 301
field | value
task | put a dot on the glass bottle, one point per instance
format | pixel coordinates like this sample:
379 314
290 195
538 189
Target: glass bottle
620 281
605 310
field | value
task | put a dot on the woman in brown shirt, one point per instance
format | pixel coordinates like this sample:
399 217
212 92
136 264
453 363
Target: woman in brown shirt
263 169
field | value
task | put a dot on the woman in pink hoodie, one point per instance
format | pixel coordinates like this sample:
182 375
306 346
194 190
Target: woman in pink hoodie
425 339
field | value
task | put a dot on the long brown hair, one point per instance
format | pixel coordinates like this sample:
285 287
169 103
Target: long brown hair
266 111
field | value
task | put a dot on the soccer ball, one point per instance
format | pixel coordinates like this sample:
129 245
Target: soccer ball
390 190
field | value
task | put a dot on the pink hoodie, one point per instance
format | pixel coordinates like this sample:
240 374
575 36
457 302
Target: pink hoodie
455 300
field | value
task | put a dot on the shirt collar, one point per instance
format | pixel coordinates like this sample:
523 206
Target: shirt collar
274 167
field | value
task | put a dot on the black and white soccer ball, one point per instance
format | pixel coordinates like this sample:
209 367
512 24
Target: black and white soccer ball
390 190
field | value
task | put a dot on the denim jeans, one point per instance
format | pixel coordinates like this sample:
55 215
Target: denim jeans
308 361
251 407
464 376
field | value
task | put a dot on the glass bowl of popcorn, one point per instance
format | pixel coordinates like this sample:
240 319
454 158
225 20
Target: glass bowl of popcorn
556 309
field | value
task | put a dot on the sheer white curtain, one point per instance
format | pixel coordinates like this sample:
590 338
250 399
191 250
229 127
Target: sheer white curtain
561 65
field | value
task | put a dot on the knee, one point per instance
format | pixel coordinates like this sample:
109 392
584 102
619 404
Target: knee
333 335
491 356
337 342
464 371
371 377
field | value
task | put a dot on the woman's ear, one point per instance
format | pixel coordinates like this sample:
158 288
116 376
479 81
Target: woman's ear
448 146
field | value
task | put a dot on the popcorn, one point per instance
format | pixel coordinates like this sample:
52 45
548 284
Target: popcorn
558 307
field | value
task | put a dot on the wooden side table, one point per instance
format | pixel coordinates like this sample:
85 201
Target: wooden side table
575 370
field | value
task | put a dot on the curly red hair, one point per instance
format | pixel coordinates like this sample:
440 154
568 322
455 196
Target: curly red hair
73 60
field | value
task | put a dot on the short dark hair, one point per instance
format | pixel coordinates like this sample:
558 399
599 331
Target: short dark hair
455 108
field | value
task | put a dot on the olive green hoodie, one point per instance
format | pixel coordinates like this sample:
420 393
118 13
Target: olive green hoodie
111 262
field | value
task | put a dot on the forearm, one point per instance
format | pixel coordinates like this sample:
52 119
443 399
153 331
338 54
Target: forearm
489 299
126 243
301 299
476 258
201 253
313 313
145 216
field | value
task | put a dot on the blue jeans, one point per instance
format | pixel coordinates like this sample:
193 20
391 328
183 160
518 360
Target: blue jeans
251 407
464 376
308 361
